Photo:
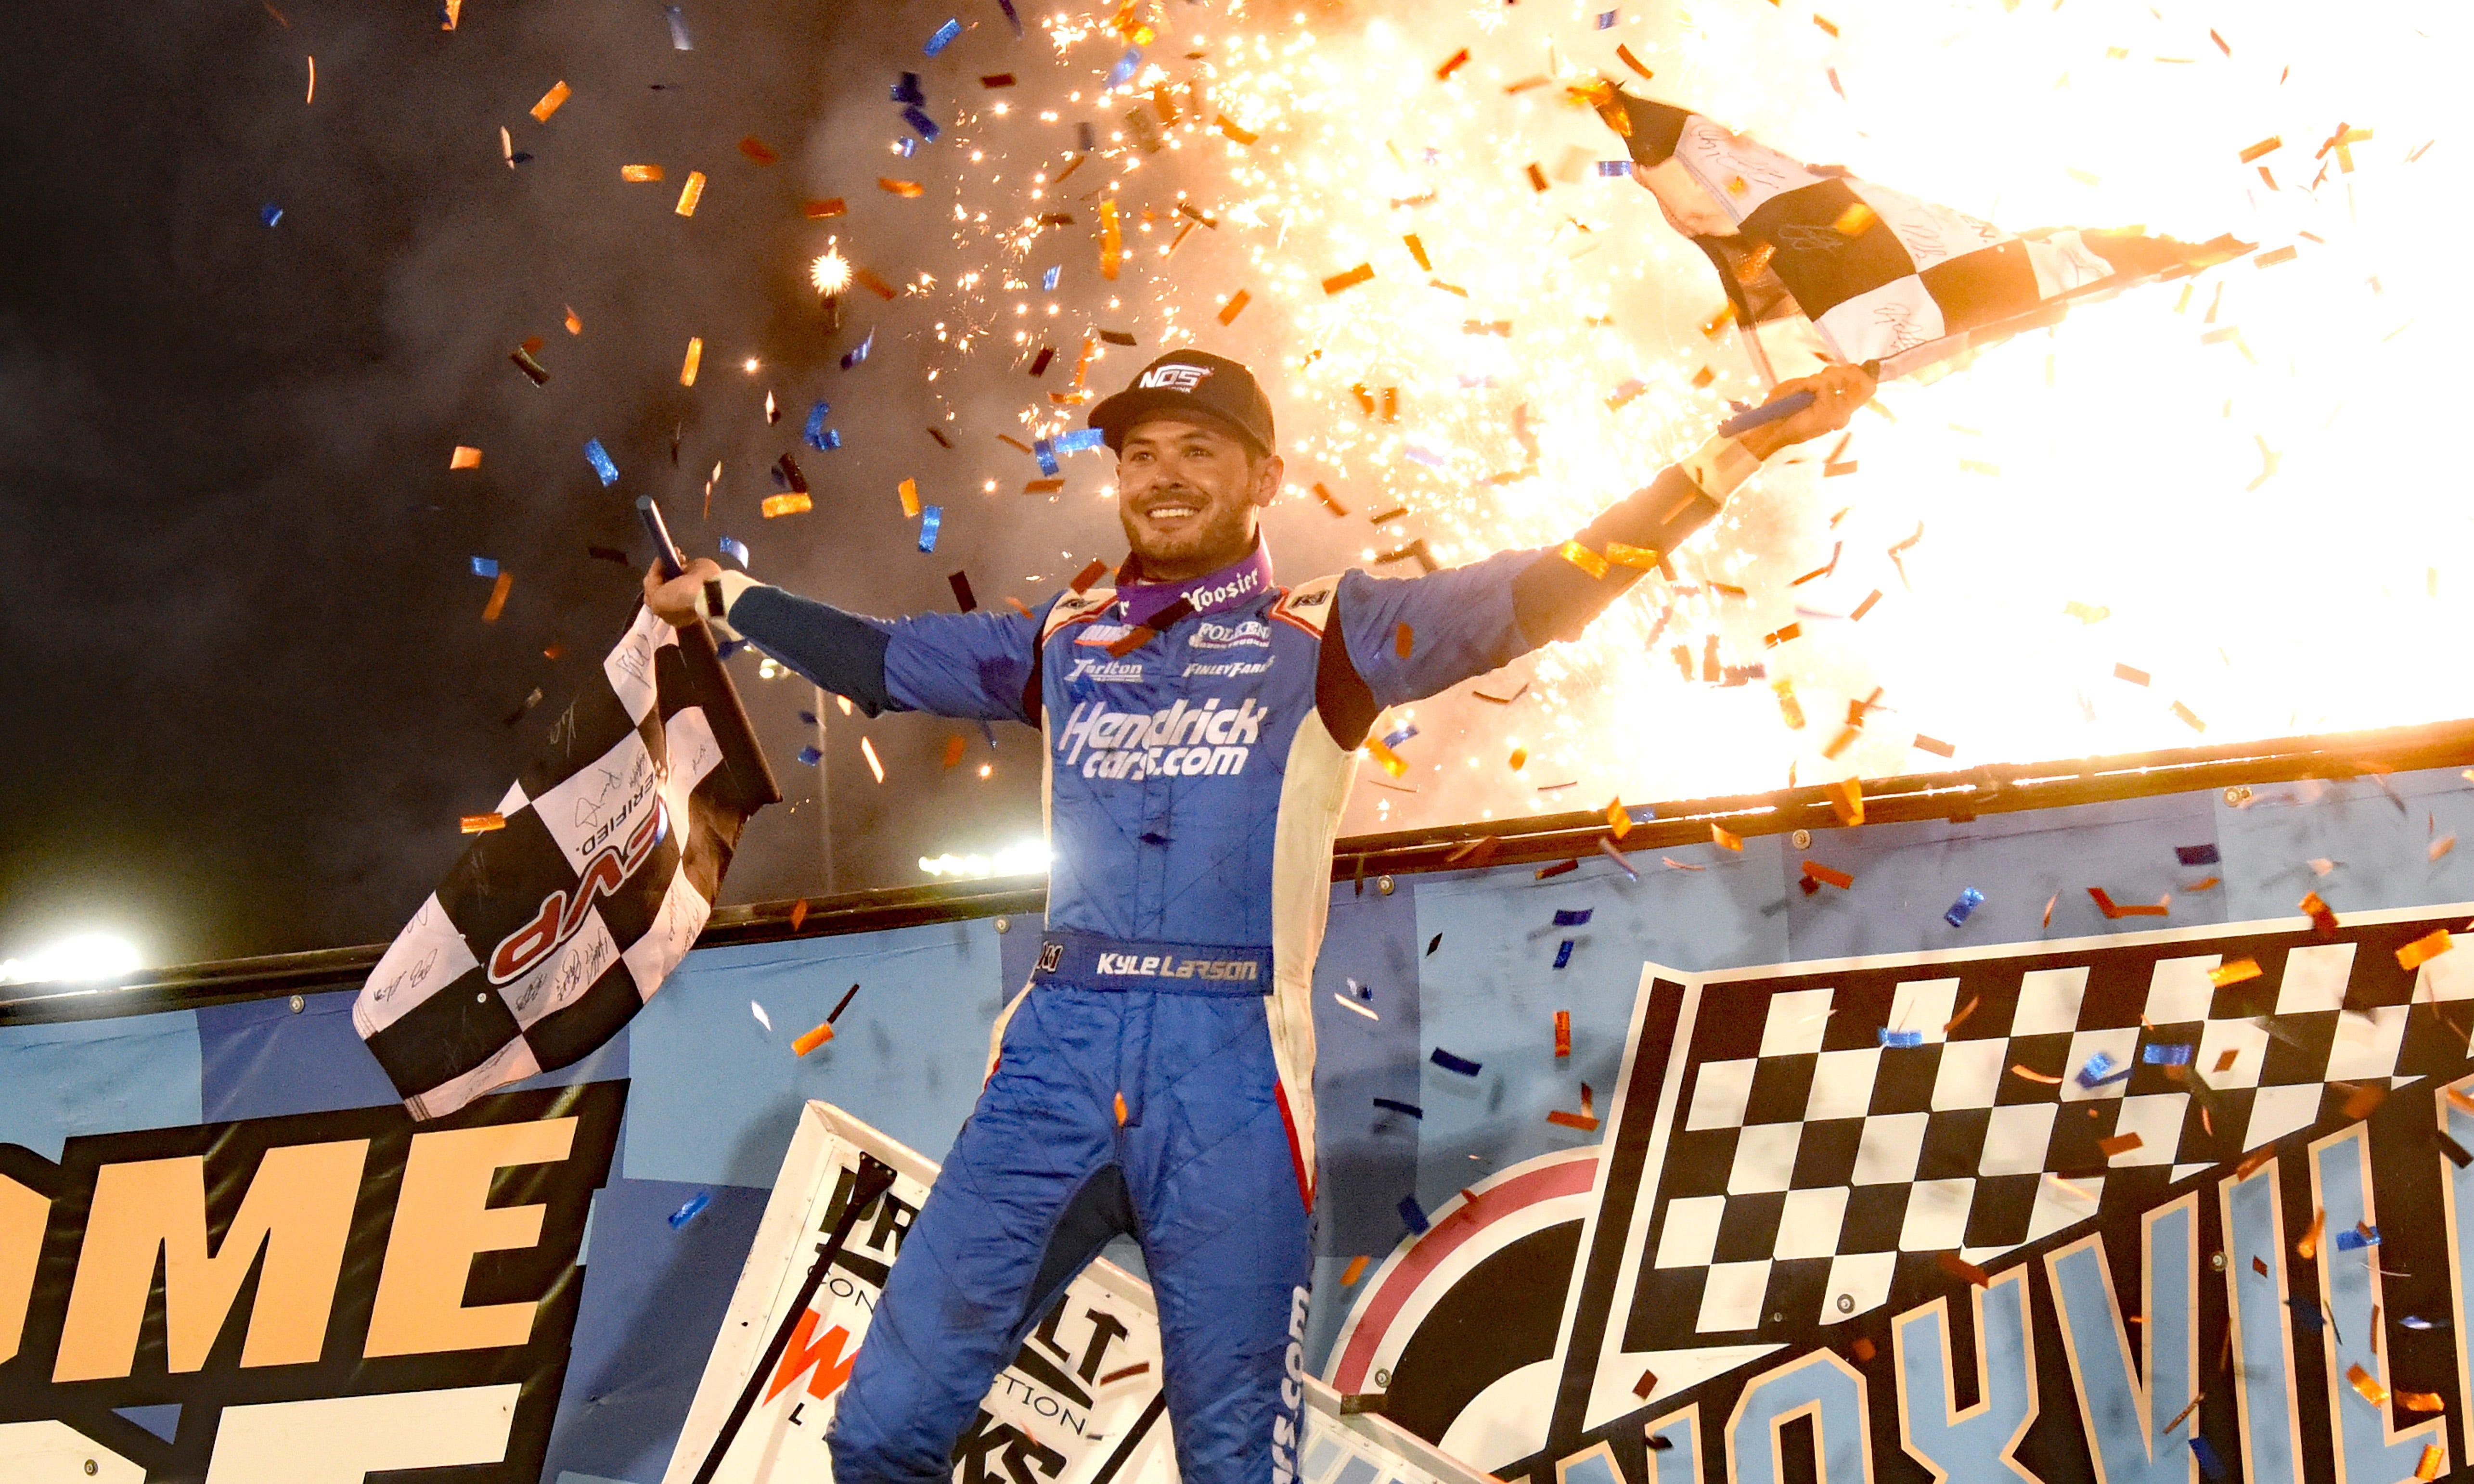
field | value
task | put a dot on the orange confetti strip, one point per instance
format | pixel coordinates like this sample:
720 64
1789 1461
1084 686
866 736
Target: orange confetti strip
1855 221
908 490
2032 1075
1562 1033
1830 877
1402 638
1646 558
1355 1269
1236 133
1702 377
2233 970
795 503
2423 950
1228 313
2367 1385
1112 240
691 193
2267 145
1847 801
908 190
498 597
2225 1059
2364 1100
1042 486
1520 758
1618 823
483 824
551 101
1360 274
1121 1110
2188 717
2421 1402
812 1040
1537 176
2441 847
798 913
1826 27
641 175
1960 1268
866 279
1392 762
2048 908
1862 1350
817 210
953 746
1451 64
2309 1247
2435 1459
695 359
1725 840
2119 1144
574 326
1418 250
1572 1120
1584 557
1960 1019
464 458
867 750
1624 55
758 150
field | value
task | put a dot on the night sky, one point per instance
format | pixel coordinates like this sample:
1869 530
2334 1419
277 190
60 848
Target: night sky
248 685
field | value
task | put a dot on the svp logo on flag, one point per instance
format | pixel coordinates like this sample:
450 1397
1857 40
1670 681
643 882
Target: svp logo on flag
551 932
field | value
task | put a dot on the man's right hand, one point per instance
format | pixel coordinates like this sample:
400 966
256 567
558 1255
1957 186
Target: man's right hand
679 601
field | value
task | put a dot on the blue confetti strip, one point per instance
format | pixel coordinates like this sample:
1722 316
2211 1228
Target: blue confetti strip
811 755
1395 1105
1455 1064
1607 19
729 647
485 567
2211 1467
808 718
1398 735
1012 19
1573 916
917 118
2168 1055
905 147
1900 1039
1965 908
1564 953
270 213
1080 439
930 519
2357 1240
1413 1214
1124 71
1614 169
693 1208
907 89
734 549
2097 1069
944 36
833 439
815 434
859 352
1045 452
2198 854
599 458
678 19
2417 1322
2305 1314
1048 279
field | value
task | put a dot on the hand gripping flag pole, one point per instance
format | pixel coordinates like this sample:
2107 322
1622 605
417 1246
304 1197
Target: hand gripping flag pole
875 1178
754 778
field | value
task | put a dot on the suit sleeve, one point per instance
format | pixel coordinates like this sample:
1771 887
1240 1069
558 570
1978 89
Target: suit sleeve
979 665
1464 621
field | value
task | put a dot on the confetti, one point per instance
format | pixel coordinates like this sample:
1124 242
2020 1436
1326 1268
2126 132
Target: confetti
694 358
817 210
2363 1236
1360 274
482 823
1354 1005
498 597
761 1018
2097 1072
2368 1387
1960 1268
1584 557
1413 1214
599 458
1725 840
1828 875
2423 950
1647 1383
793 503
1901 1039
759 150
2421 1402
2198 854
691 193
1562 1034
464 458
2322 918
906 189
1573 916
2274 256
1458 1065
2168 1054
1847 801
2113 910
1585 1120
1355 1269
1607 847
523 357
1618 820
2435 1458
692 1209
1564 953
1969 900
2119 1144
641 175
1452 64
943 37
931 521
550 103
678 19
867 750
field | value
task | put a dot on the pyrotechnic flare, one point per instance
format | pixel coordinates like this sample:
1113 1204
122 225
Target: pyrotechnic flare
1820 265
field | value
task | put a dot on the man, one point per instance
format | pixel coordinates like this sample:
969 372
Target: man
1156 1075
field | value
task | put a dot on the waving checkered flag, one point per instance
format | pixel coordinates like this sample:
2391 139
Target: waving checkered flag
1816 260
551 932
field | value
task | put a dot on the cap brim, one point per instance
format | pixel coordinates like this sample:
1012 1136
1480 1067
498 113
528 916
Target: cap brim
1116 416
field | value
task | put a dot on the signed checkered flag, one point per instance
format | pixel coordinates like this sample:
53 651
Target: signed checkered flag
1816 260
551 932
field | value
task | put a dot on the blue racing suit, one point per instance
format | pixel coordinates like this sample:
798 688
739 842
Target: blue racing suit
1155 1077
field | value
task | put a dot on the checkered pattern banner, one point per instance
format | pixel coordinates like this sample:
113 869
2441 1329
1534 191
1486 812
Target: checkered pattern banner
1820 1168
554 927
1811 254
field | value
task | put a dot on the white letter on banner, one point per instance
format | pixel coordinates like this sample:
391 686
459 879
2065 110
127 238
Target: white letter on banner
54 1452
1975 1444
2272 1428
2368 1449
338 1440
1679 1461
1821 1387
2121 1417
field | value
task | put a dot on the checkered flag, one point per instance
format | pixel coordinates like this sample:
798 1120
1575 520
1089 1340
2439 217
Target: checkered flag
1817 261
551 932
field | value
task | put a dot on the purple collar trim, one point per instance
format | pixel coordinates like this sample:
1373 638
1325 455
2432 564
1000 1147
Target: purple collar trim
1233 586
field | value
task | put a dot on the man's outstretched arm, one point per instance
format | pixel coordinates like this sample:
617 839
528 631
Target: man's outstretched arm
979 665
1464 621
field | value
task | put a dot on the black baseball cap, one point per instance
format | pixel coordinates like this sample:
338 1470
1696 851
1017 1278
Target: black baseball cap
1192 381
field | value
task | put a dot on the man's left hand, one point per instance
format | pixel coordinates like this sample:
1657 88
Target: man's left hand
1837 391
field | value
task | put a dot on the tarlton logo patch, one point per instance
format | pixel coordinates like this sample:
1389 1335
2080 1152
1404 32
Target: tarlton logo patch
1181 741
1108 672
1246 633
1176 378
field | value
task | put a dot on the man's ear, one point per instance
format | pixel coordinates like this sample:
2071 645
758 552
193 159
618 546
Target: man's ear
1267 480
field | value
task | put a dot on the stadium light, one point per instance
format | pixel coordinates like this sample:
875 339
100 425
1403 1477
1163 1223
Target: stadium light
85 956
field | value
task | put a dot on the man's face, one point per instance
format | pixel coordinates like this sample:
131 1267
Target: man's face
1187 491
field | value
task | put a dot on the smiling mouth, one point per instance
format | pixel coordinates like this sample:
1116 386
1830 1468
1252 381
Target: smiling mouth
1171 512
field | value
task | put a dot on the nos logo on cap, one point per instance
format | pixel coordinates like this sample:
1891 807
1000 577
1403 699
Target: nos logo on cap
1178 378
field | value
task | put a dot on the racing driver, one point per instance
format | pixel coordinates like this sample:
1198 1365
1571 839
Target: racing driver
1202 727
